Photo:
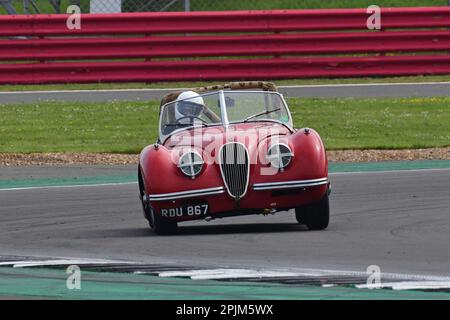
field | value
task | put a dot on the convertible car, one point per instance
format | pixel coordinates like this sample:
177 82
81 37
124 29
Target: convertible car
232 150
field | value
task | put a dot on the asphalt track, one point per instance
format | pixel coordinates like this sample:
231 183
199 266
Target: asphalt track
375 90
398 220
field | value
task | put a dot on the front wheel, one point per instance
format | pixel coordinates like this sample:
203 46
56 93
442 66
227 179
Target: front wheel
160 225
316 215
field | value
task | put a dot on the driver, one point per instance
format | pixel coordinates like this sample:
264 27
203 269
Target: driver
188 106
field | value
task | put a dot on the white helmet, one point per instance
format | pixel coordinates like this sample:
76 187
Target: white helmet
188 104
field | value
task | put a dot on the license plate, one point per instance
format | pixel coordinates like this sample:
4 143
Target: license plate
186 211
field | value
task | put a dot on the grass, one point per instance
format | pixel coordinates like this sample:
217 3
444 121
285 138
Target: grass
162 85
126 127
377 123
78 127
44 6
308 4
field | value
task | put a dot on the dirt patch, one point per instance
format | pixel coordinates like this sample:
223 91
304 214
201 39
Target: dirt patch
388 155
20 159
37 159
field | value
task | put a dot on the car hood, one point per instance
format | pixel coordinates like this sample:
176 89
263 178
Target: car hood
250 134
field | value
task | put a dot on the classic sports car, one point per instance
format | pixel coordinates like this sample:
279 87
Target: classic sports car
232 150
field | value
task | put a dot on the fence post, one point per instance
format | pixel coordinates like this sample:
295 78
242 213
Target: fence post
187 5
8 6
26 6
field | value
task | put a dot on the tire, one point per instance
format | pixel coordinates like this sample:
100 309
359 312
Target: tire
145 206
158 224
316 216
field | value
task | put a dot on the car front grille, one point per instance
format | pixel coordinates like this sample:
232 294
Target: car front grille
234 166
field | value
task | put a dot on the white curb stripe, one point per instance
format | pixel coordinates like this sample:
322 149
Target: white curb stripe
38 263
69 186
408 285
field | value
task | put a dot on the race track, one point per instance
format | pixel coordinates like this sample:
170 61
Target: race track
398 220
367 90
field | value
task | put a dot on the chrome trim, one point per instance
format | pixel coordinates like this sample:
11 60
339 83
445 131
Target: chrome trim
290 153
186 194
223 108
290 184
223 175
191 164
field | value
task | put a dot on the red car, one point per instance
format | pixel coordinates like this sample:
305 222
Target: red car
232 150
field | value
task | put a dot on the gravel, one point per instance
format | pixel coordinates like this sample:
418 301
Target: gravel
20 159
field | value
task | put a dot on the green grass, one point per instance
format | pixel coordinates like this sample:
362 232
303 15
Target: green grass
162 85
126 127
308 4
377 123
80 127
44 6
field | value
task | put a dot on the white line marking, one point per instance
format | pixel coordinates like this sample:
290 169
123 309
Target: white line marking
331 85
191 273
422 282
408 285
389 171
53 262
176 89
231 274
326 272
69 186
224 273
246 274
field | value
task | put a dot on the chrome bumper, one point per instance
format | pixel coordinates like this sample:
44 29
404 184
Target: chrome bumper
186 194
290 184
220 190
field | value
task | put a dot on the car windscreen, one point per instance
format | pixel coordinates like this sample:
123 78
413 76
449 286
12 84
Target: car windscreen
255 106
203 110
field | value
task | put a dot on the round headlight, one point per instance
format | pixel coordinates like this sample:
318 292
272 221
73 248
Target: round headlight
191 163
279 155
